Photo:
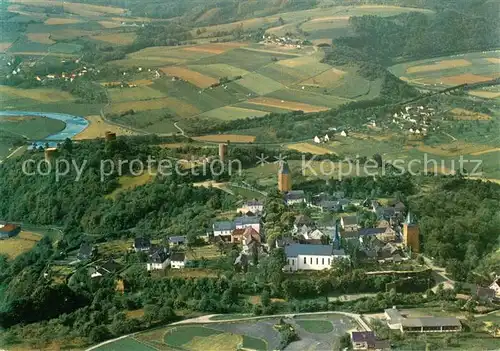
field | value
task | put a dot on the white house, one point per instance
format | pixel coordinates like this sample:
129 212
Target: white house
311 257
349 223
295 197
159 259
178 260
223 228
496 286
343 133
254 206
317 140
326 138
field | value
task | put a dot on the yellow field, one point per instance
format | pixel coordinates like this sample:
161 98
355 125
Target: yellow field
225 341
54 20
69 34
455 148
215 48
17 245
325 79
42 38
485 94
44 95
181 107
466 115
287 105
135 314
438 66
130 182
495 60
116 38
465 78
220 138
485 151
310 148
4 46
198 79
97 127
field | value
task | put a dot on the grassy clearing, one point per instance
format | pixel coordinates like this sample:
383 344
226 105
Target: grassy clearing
466 115
259 84
137 93
231 112
125 344
42 38
316 326
130 182
218 70
208 252
31 127
182 108
310 148
179 336
221 138
196 78
304 97
225 341
39 94
19 244
116 38
287 105
115 247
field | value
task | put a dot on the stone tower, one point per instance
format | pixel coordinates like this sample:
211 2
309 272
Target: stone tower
411 234
222 152
284 178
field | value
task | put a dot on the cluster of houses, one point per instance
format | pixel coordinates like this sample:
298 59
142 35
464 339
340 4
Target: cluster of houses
327 138
283 41
419 117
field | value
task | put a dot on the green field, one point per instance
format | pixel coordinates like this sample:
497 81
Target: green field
259 84
125 344
218 70
178 336
450 70
315 326
230 112
31 127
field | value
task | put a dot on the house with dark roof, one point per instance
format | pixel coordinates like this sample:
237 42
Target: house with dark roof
311 257
364 340
177 240
178 260
294 197
244 222
142 244
86 252
485 294
158 258
107 268
223 228
349 223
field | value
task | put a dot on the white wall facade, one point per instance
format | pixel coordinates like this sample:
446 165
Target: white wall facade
308 263
256 226
223 232
157 266
177 264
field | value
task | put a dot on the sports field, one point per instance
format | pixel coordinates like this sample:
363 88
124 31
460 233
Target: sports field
452 70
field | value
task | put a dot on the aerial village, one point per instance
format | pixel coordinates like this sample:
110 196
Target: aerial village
312 245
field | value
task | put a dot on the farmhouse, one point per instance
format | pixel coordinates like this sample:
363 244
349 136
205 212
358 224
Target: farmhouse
158 259
109 267
295 197
254 206
349 223
142 244
177 240
9 230
495 286
311 257
223 228
248 222
178 260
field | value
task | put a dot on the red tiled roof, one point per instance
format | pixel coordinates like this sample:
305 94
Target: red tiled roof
8 228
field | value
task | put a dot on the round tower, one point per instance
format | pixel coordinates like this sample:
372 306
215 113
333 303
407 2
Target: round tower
284 178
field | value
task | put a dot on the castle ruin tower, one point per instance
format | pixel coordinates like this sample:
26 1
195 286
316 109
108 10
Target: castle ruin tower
223 151
284 178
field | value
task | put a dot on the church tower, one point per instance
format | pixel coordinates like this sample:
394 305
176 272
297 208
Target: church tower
411 234
284 178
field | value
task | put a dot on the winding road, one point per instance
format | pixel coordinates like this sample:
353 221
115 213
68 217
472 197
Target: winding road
207 320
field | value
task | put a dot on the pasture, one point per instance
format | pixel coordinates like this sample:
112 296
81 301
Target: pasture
13 247
116 38
128 182
308 148
39 94
231 112
287 105
31 127
453 70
